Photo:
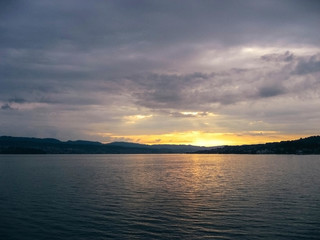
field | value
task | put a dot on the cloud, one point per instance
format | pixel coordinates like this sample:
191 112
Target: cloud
114 24
86 66
17 100
6 106
286 57
308 65
189 114
201 90
271 91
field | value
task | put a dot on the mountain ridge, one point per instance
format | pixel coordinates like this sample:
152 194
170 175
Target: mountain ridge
28 145
308 145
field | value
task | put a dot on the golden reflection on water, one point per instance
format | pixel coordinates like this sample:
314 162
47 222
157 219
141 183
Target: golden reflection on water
160 196
184 178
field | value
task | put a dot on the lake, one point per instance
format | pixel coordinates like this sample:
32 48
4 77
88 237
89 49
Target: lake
176 196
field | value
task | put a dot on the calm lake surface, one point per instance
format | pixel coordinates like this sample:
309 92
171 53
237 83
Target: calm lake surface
159 197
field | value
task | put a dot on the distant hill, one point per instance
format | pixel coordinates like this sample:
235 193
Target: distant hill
309 145
164 147
24 145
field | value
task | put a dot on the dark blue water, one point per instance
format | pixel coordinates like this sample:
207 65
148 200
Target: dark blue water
159 197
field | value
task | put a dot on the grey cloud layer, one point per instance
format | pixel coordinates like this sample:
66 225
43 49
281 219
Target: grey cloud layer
43 23
74 55
201 90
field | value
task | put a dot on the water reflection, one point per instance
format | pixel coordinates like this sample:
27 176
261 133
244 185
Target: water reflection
160 197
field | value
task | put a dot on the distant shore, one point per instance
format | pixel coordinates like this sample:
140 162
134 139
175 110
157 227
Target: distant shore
309 145
23 145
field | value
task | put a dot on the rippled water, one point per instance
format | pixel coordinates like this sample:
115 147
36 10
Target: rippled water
159 197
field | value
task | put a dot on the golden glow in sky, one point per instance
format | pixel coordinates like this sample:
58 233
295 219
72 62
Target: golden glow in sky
159 73
199 138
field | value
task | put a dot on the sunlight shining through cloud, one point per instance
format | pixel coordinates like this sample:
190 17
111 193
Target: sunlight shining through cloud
200 138
211 73
134 118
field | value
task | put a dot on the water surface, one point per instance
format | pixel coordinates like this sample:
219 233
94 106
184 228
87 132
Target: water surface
159 197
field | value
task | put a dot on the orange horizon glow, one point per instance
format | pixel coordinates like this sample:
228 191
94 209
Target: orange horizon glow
199 138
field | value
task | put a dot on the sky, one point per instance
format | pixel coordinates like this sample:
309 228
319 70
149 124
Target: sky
205 72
